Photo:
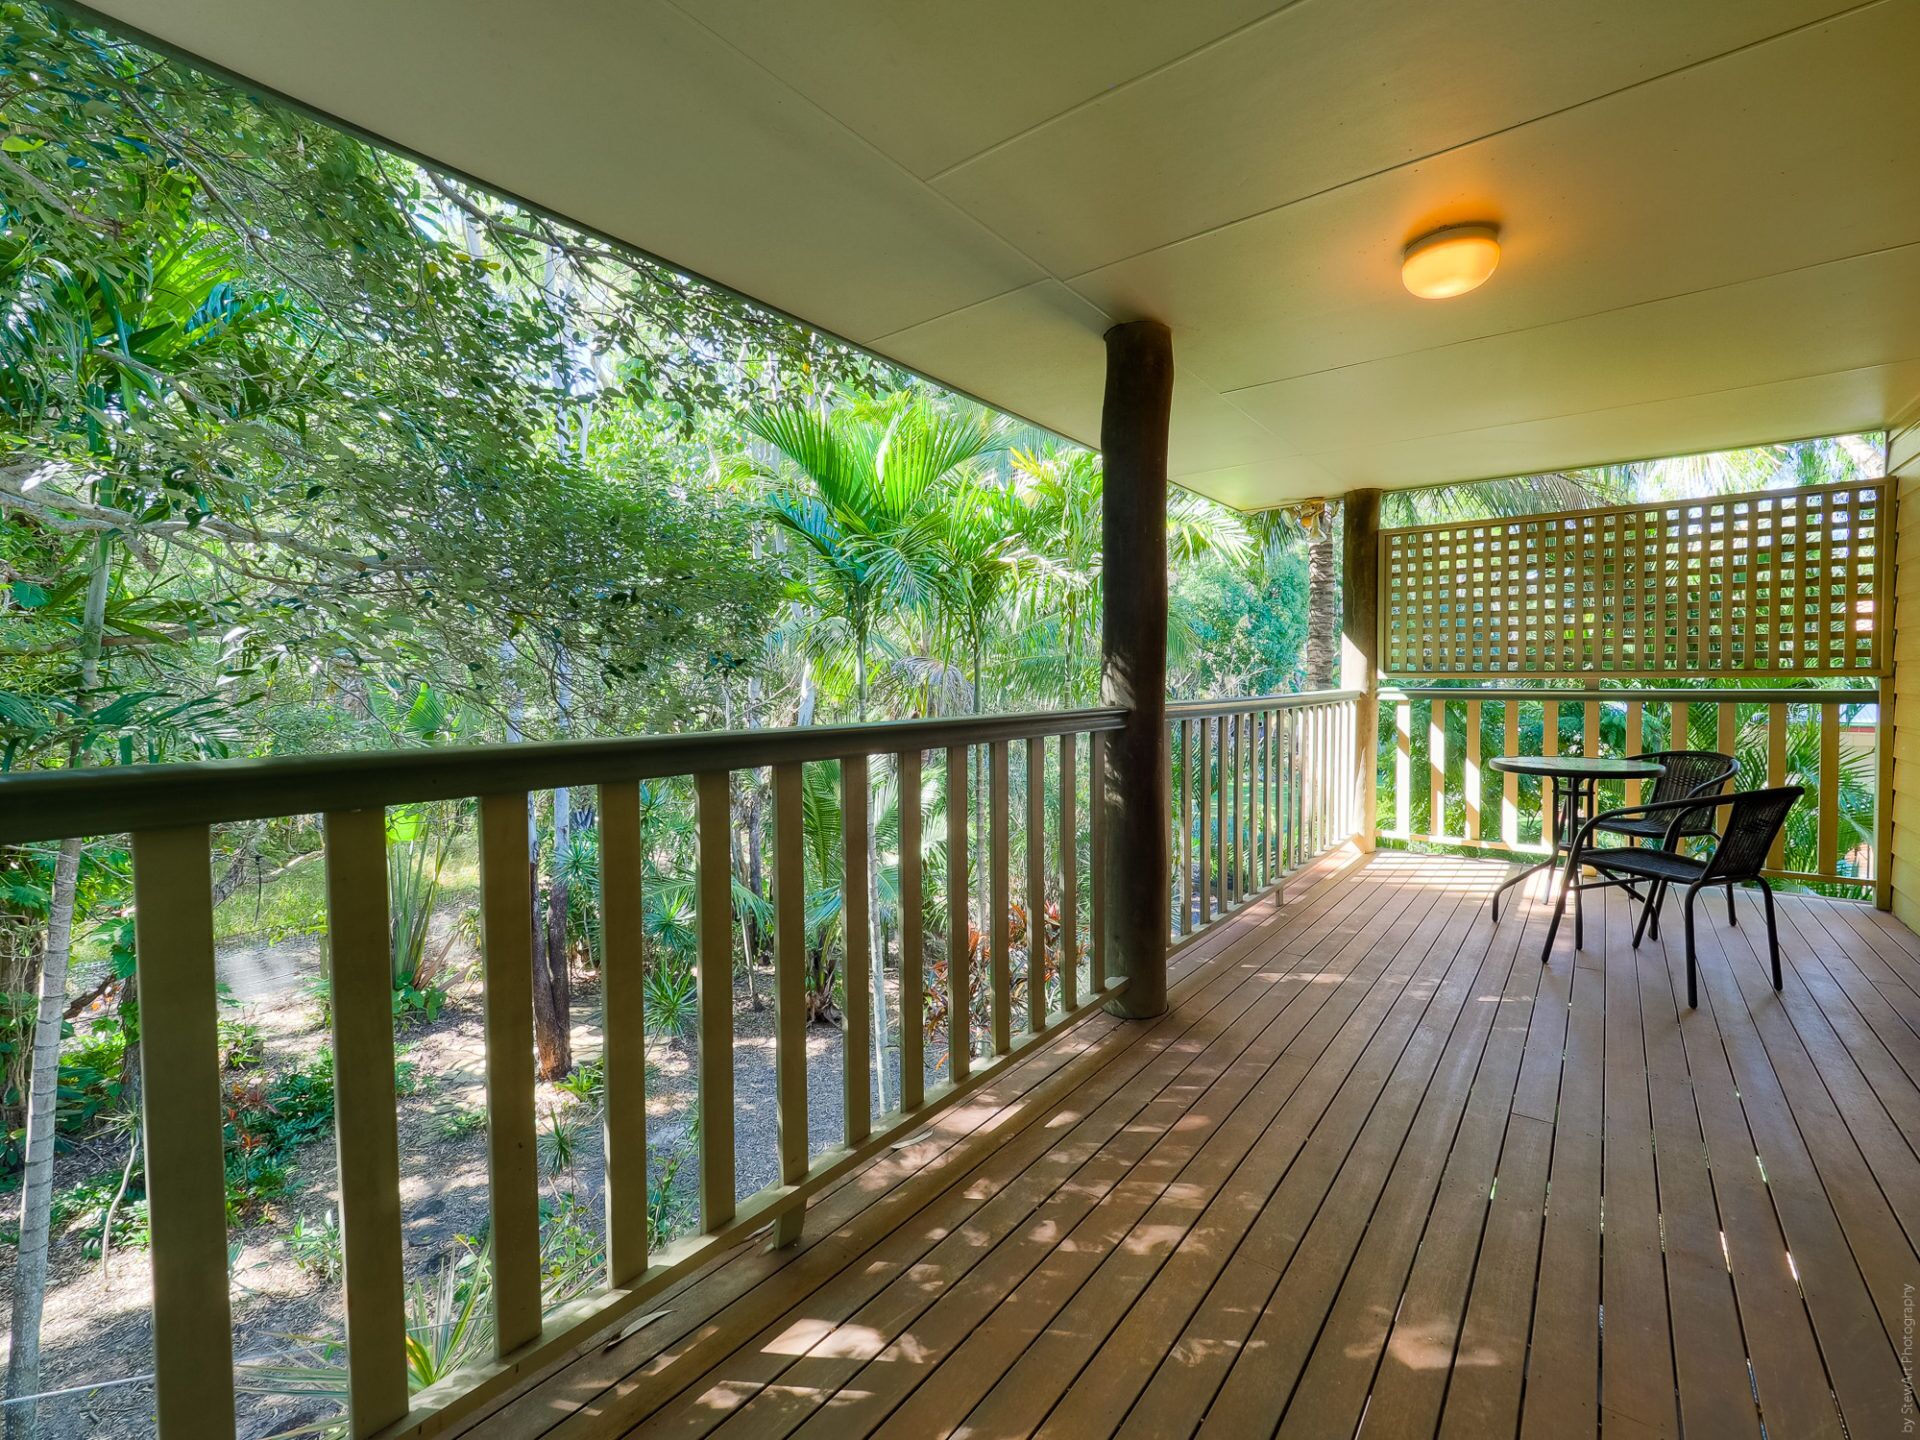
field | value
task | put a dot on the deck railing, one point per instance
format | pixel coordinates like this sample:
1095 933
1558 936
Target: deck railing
1261 787
1437 787
170 810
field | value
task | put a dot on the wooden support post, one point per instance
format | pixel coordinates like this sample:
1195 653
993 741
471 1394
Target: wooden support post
1036 887
713 800
1097 972
959 940
1403 768
513 1171
359 968
913 1005
1204 731
1883 796
1510 782
1360 651
1069 876
999 899
1827 842
1777 719
1470 771
1133 442
1436 767
857 977
1186 824
790 974
186 1198
623 1110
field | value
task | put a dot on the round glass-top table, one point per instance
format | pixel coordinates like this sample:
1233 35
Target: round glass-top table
1576 784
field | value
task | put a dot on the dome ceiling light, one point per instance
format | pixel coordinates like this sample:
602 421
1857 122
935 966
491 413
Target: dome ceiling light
1451 262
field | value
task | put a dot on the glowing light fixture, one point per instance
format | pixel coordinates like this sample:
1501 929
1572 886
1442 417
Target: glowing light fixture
1451 262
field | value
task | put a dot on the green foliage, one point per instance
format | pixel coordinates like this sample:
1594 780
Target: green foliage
241 1044
81 1210
586 1082
459 1124
317 1246
669 996
266 1121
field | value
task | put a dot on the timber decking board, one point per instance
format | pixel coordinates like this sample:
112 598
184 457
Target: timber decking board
1376 1171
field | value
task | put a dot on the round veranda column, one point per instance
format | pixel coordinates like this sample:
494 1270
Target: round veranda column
1133 445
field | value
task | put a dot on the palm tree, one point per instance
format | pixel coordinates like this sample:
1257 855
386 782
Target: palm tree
866 501
866 498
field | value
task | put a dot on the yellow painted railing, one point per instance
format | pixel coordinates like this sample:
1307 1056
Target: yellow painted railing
1437 785
1261 787
169 811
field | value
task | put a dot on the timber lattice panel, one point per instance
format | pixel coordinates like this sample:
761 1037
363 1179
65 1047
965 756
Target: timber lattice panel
1776 582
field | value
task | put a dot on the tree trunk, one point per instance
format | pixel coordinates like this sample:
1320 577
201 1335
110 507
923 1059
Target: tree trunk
555 1036
554 1020
1323 611
36 1191
878 966
36 1185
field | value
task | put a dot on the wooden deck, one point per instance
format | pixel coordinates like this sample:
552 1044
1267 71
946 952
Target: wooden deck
1378 1170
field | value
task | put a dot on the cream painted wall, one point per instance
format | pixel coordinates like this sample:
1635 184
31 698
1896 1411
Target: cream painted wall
1902 866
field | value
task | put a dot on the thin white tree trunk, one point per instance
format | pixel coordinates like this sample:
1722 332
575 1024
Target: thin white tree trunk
36 1188
877 969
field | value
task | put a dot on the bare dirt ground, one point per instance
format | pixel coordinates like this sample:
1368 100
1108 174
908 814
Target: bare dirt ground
97 1336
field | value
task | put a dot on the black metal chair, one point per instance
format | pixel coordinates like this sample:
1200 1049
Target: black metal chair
1739 856
1688 773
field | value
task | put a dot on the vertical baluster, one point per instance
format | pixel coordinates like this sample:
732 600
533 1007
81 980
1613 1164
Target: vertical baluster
1339 775
999 901
1829 791
714 903
913 946
1097 861
790 970
1310 775
1776 776
1321 777
1267 867
1510 782
1312 779
1185 850
1437 767
1403 768
623 1106
1069 874
180 1105
1220 813
1590 728
360 980
959 957
1636 744
856 1047
1289 757
513 1176
1204 758
1236 878
1296 801
1549 745
1726 717
1470 772
1036 883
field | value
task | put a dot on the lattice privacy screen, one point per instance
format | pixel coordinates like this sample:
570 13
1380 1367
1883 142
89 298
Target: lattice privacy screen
1780 582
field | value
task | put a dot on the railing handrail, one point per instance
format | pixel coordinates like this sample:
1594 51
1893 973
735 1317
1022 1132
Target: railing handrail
1188 709
1807 695
42 805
